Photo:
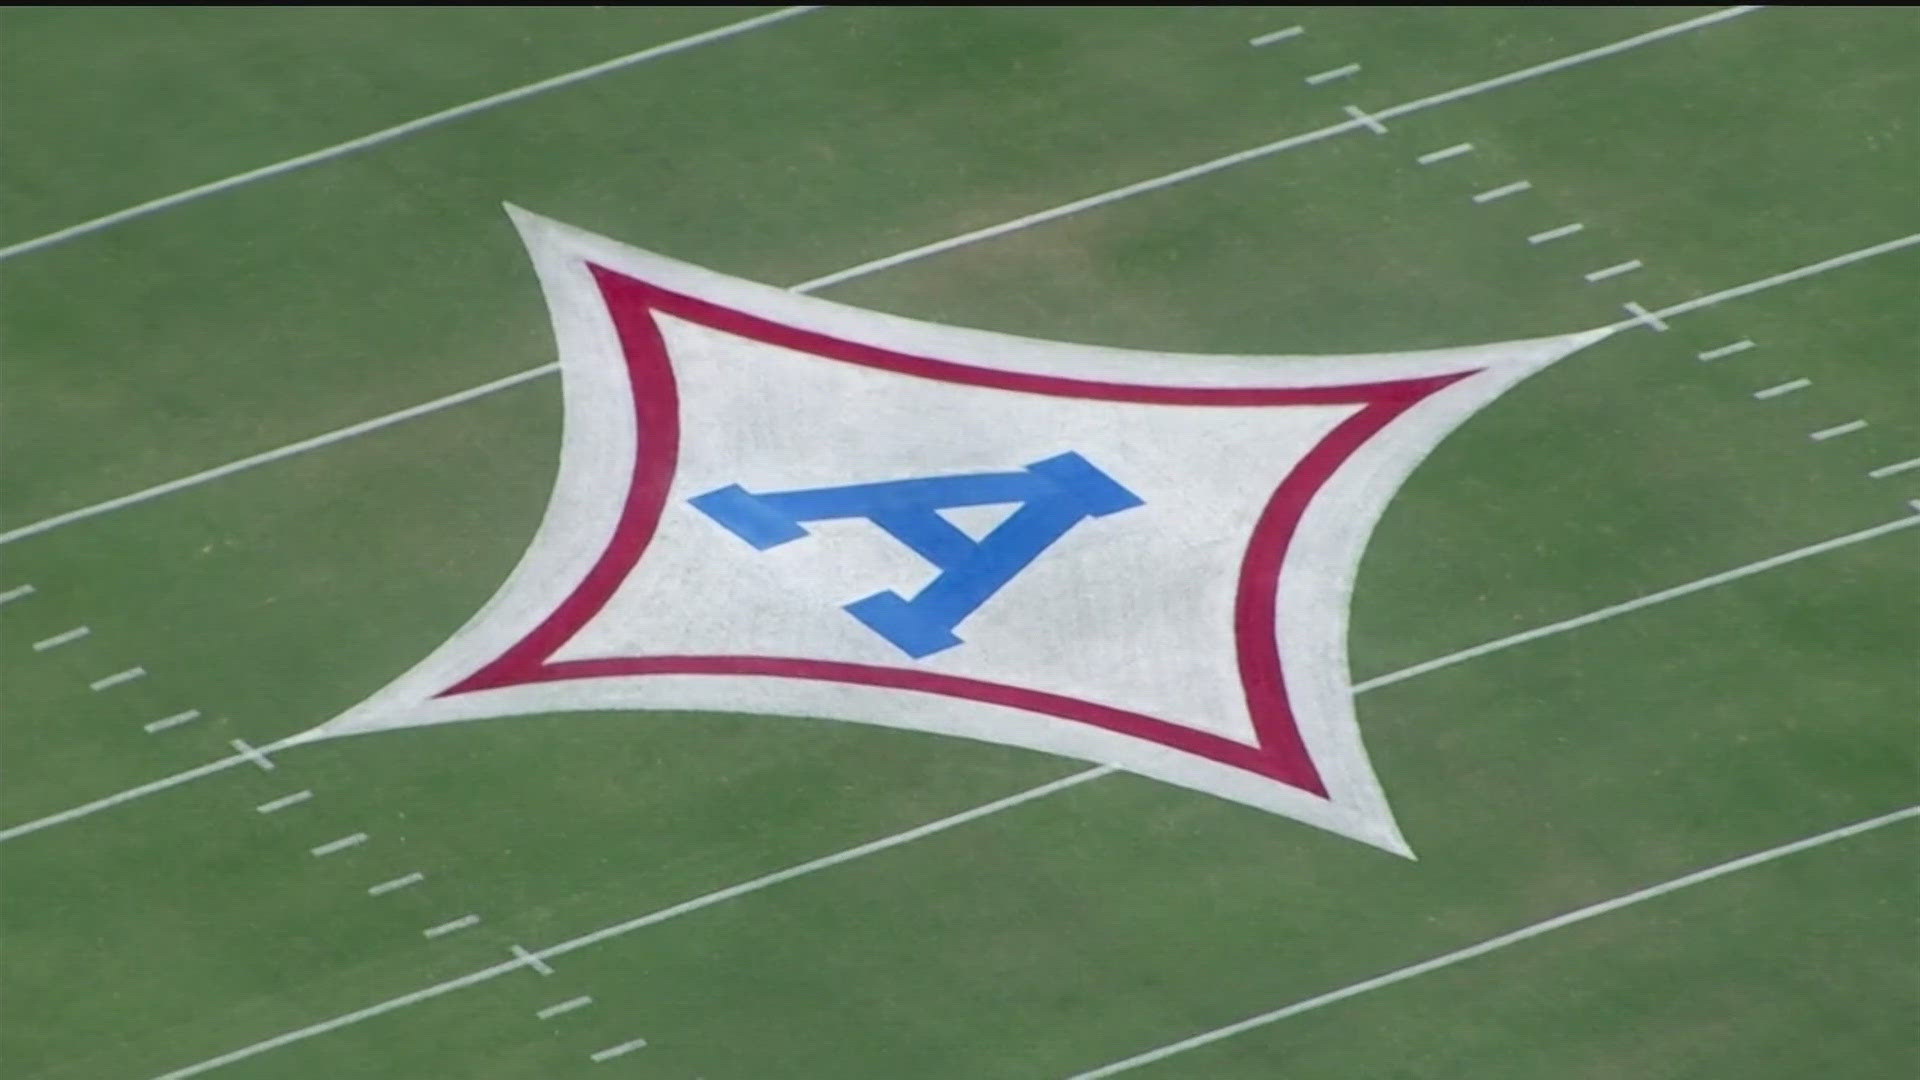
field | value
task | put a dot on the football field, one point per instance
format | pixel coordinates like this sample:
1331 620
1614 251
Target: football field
1636 650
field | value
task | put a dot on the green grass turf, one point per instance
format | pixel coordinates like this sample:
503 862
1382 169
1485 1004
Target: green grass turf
1104 920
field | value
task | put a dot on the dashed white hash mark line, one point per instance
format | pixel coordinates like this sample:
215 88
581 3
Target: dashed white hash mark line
1277 35
117 678
612 1052
1443 154
1331 74
1727 350
1783 388
173 721
1615 270
566 1006
1555 234
1885 471
451 926
60 639
342 844
1837 430
401 882
16 593
284 801
1503 191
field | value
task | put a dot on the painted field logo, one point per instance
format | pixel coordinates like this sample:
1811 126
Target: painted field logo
772 503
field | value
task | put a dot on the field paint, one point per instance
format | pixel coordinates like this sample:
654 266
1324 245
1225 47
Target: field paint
398 131
1648 600
60 639
1897 467
1783 388
1372 124
1615 270
1642 315
256 756
284 801
566 1006
1727 350
1453 151
1331 74
341 844
1795 274
15 593
401 882
132 793
1277 35
289 450
1837 430
173 721
532 961
1513 937
450 926
115 679
1555 234
1027 221
615 1051
1503 191
720 896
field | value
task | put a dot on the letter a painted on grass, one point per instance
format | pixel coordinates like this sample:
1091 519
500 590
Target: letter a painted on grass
1054 496
772 503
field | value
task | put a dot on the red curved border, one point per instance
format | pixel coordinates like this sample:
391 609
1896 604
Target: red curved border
1281 754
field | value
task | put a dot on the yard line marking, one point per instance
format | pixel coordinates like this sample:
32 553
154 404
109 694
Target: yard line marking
1513 937
173 721
401 882
398 131
97 805
284 801
1555 234
1443 154
1126 191
115 679
532 961
1277 35
450 926
16 593
719 896
1885 471
1331 74
341 844
612 1052
1503 191
1642 315
1372 124
1837 430
1727 350
258 757
566 1006
1783 388
1796 274
60 639
1648 600
1615 270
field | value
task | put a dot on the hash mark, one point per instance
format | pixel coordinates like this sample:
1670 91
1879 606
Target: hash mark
1443 154
1277 35
16 593
1642 315
1615 270
60 639
173 721
1555 234
341 844
1727 350
1372 125
615 1051
1783 388
460 923
1837 430
284 801
532 960
1897 467
252 755
566 1006
385 887
117 678
1503 191
1331 74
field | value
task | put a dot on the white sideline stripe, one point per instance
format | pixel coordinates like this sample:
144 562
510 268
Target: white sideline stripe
1443 154
173 721
258 757
1897 467
1555 234
1727 350
1642 315
1837 430
452 925
566 1006
1372 124
341 844
277 453
116 679
910 255
60 639
401 882
1331 74
1783 388
1502 941
532 961
1503 191
1277 35
1615 270
284 801
16 593
397 131
1648 600
683 908
612 1052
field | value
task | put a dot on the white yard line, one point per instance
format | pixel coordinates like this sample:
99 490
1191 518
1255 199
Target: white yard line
612 1052
1277 35
1649 600
1727 350
1341 72
1885 471
398 131
1615 270
1837 430
401 882
1787 387
566 1006
1444 153
173 721
342 844
923 251
284 801
1502 941
108 682
451 926
60 639
16 593
1796 274
1555 234
1503 191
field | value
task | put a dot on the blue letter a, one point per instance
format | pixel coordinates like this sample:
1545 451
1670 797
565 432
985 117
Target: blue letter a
1054 495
